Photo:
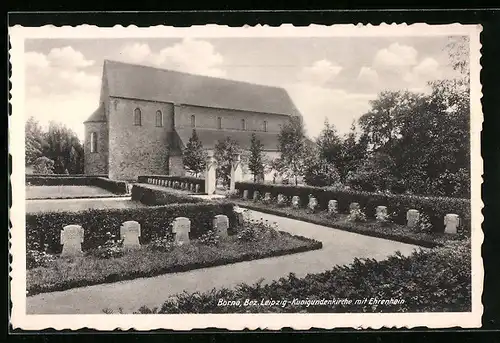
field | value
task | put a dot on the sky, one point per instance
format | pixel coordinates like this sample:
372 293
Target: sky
332 78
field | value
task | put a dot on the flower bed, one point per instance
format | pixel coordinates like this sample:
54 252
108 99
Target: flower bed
438 280
435 207
109 263
44 228
370 227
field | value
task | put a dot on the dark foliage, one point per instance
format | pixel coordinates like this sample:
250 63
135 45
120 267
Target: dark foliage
435 207
44 229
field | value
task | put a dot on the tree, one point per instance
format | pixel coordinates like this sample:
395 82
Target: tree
329 144
225 152
353 153
320 173
64 148
34 140
43 165
375 174
256 161
194 157
293 148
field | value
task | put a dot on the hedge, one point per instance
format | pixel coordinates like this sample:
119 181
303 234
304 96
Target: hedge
438 280
117 187
149 195
45 227
188 179
435 207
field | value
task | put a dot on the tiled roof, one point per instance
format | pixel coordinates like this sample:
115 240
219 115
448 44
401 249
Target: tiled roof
209 137
97 116
148 83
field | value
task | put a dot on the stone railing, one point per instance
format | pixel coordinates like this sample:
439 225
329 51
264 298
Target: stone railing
191 184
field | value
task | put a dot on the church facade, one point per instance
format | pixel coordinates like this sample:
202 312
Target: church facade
146 116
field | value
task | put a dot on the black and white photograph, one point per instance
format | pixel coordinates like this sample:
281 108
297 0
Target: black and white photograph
321 176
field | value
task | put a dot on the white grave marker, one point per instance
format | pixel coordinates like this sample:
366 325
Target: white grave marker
412 217
221 224
451 222
71 240
332 206
295 201
130 231
181 228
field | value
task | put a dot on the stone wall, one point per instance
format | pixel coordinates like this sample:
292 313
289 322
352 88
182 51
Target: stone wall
206 117
96 162
138 150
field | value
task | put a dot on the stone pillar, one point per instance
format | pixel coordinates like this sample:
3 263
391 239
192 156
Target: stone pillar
210 179
236 172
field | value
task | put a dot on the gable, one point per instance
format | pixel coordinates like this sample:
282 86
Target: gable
153 84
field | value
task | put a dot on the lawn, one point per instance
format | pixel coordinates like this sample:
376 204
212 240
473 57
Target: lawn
54 273
370 227
58 205
54 192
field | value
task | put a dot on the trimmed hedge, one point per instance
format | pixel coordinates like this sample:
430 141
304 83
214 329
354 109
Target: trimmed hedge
189 179
435 207
45 227
438 280
117 187
149 195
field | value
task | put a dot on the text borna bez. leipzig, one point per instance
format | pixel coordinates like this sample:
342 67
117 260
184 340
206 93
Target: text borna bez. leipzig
309 302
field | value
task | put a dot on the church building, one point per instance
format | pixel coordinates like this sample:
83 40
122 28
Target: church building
146 116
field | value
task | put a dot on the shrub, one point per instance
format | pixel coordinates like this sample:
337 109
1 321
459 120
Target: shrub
45 227
164 243
209 238
153 196
117 187
436 207
35 258
428 281
111 248
232 194
188 179
424 223
356 215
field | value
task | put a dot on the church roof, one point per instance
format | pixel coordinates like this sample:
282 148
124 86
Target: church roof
210 137
148 83
97 116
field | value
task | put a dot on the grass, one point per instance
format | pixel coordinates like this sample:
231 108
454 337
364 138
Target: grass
395 232
58 205
66 273
57 192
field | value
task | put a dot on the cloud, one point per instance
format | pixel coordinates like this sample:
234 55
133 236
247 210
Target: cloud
339 106
68 57
368 74
136 53
36 60
427 70
190 55
395 56
59 88
320 72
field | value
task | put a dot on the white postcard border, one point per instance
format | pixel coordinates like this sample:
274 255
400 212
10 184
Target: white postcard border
19 318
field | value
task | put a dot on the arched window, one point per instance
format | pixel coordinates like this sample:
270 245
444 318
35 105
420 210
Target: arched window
193 121
93 142
137 117
219 123
159 118
265 126
243 124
